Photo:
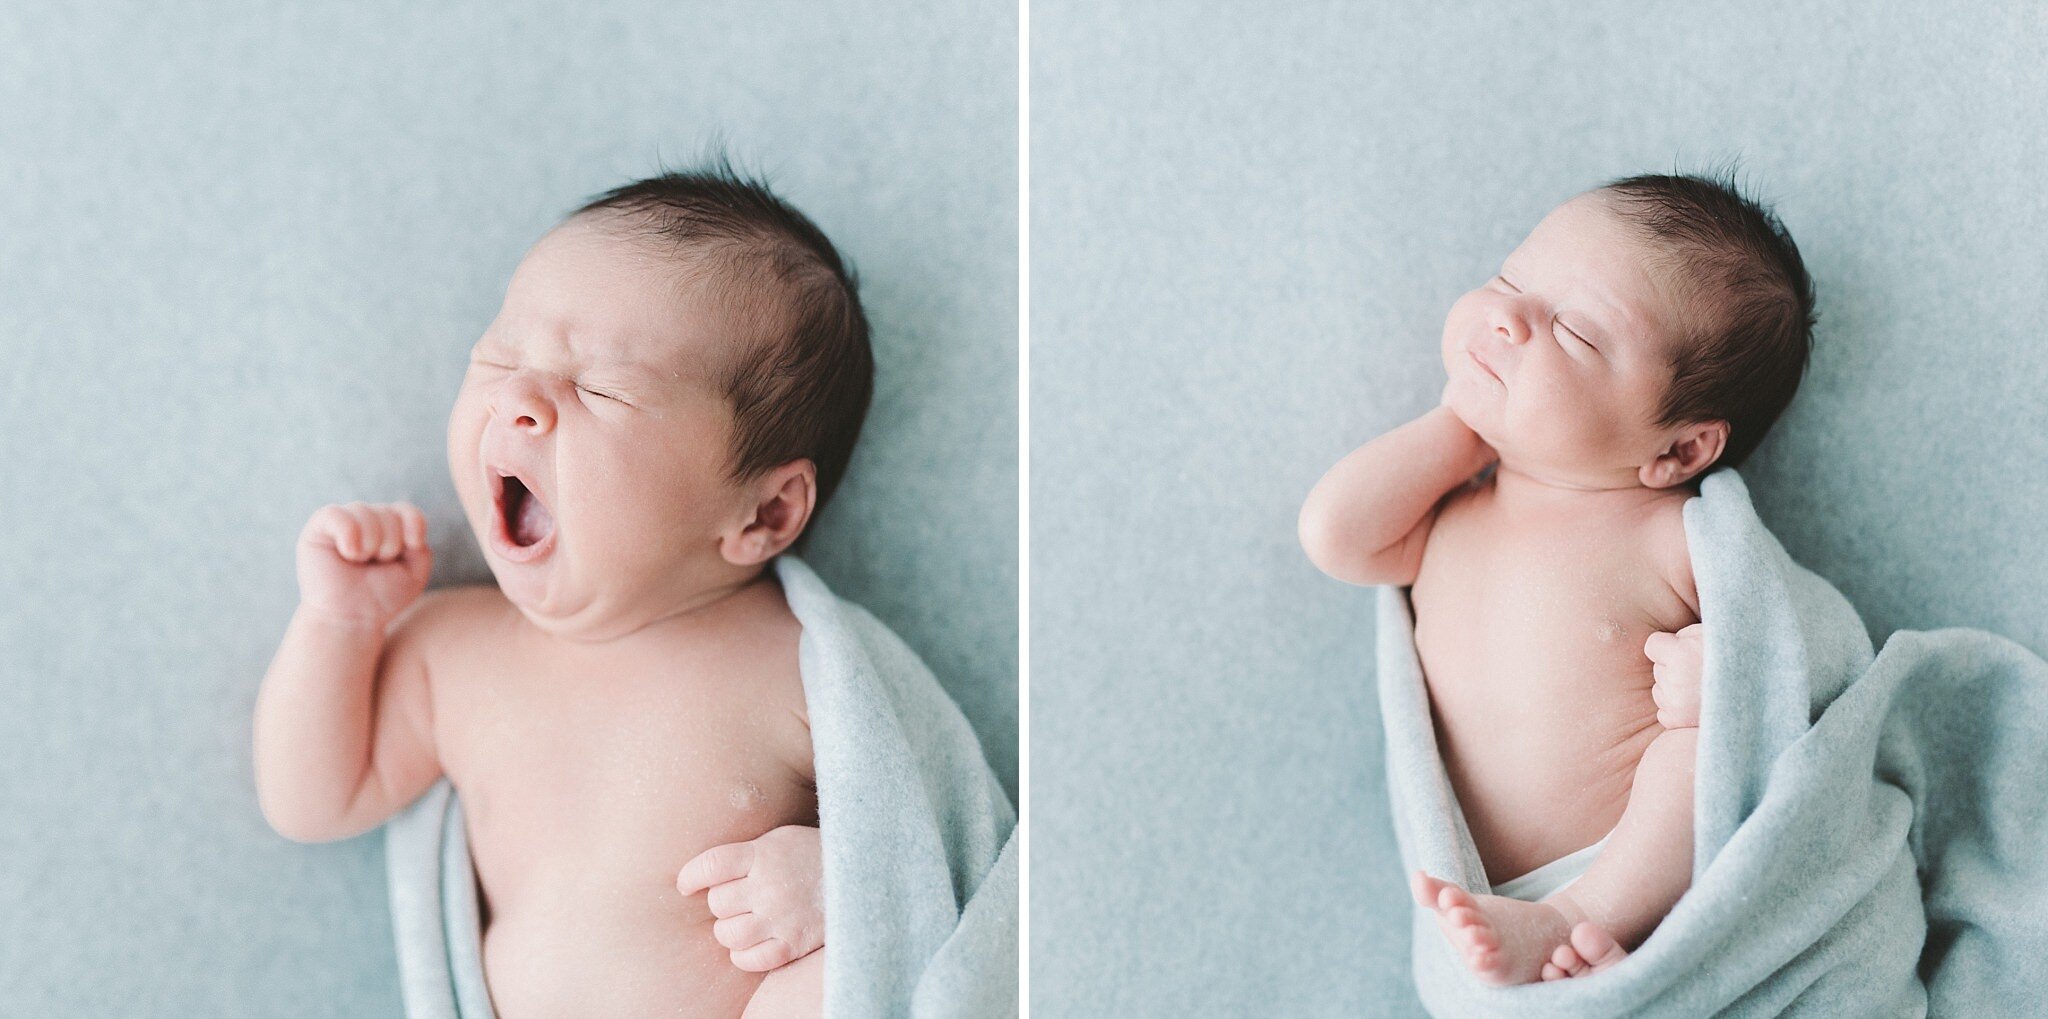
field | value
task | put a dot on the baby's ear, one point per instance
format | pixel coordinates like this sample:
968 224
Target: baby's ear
782 500
1693 449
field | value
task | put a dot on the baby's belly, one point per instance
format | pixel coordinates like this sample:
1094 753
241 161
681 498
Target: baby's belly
583 914
558 952
1541 753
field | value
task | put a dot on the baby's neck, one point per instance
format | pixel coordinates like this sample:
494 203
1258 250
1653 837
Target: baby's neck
1515 484
706 606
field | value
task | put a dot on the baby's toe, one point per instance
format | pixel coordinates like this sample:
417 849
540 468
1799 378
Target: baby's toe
1596 947
1453 897
1551 972
1424 889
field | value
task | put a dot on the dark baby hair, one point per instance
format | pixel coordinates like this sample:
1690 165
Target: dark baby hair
800 383
1752 301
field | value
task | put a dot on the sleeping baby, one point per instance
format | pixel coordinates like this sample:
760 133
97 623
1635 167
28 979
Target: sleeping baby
671 389
1643 332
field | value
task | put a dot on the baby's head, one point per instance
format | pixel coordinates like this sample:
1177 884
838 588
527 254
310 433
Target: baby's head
671 390
1645 331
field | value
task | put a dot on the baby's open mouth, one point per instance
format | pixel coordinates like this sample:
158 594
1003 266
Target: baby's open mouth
527 520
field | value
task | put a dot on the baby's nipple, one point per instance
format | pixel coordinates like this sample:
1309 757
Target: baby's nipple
746 796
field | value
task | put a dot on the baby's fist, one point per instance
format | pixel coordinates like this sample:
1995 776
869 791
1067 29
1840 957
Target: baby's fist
768 895
1676 665
361 564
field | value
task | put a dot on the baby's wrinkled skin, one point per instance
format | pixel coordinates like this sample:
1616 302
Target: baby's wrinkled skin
622 714
1555 610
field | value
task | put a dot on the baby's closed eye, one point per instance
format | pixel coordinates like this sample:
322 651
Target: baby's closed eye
602 394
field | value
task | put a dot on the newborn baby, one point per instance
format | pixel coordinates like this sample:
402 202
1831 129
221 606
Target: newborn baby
1643 332
672 388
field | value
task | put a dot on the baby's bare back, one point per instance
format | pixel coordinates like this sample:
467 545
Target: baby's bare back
1530 617
591 774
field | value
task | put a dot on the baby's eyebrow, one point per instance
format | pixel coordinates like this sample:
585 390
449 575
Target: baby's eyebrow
622 364
610 350
638 375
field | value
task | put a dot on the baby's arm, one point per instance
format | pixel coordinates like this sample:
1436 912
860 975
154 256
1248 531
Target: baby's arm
1367 519
342 732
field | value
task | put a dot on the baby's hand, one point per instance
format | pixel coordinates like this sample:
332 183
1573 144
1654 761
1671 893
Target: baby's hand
361 564
1675 664
768 895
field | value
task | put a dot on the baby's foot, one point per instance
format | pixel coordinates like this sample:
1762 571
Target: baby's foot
1505 941
1589 950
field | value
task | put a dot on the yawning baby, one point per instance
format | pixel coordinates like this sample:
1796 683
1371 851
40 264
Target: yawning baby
671 390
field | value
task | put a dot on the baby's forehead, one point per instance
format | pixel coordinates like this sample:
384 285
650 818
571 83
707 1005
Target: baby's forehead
620 299
1588 250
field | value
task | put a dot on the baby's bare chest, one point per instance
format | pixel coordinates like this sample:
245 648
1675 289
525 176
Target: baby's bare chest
1557 600
603 778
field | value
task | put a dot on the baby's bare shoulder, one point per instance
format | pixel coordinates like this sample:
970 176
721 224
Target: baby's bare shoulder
773 637
448 611
1467 501
1663 531
447 618
757 649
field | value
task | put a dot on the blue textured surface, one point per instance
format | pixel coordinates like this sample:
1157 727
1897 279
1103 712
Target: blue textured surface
243 251
1248 223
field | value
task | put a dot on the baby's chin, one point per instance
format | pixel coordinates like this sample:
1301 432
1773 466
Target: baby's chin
1478 408
531 587
552 603
582 601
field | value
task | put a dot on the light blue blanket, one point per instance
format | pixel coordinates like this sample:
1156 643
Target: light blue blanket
921 883
1871 830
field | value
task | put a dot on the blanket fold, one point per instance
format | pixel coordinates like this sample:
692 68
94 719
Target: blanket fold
1871 829
921 883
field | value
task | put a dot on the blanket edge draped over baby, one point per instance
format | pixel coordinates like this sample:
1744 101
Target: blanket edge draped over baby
1871 829
921 882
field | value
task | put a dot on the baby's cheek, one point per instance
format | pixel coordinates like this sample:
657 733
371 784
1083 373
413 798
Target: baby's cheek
1536 422
1571 426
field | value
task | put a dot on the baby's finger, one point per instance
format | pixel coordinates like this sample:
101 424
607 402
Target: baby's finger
371 535
391 533
1657 645
353 539
716 865
332 527
728 898
763 957
1695 631
740 932
415 525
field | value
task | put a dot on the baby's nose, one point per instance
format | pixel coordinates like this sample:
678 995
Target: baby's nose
521 401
